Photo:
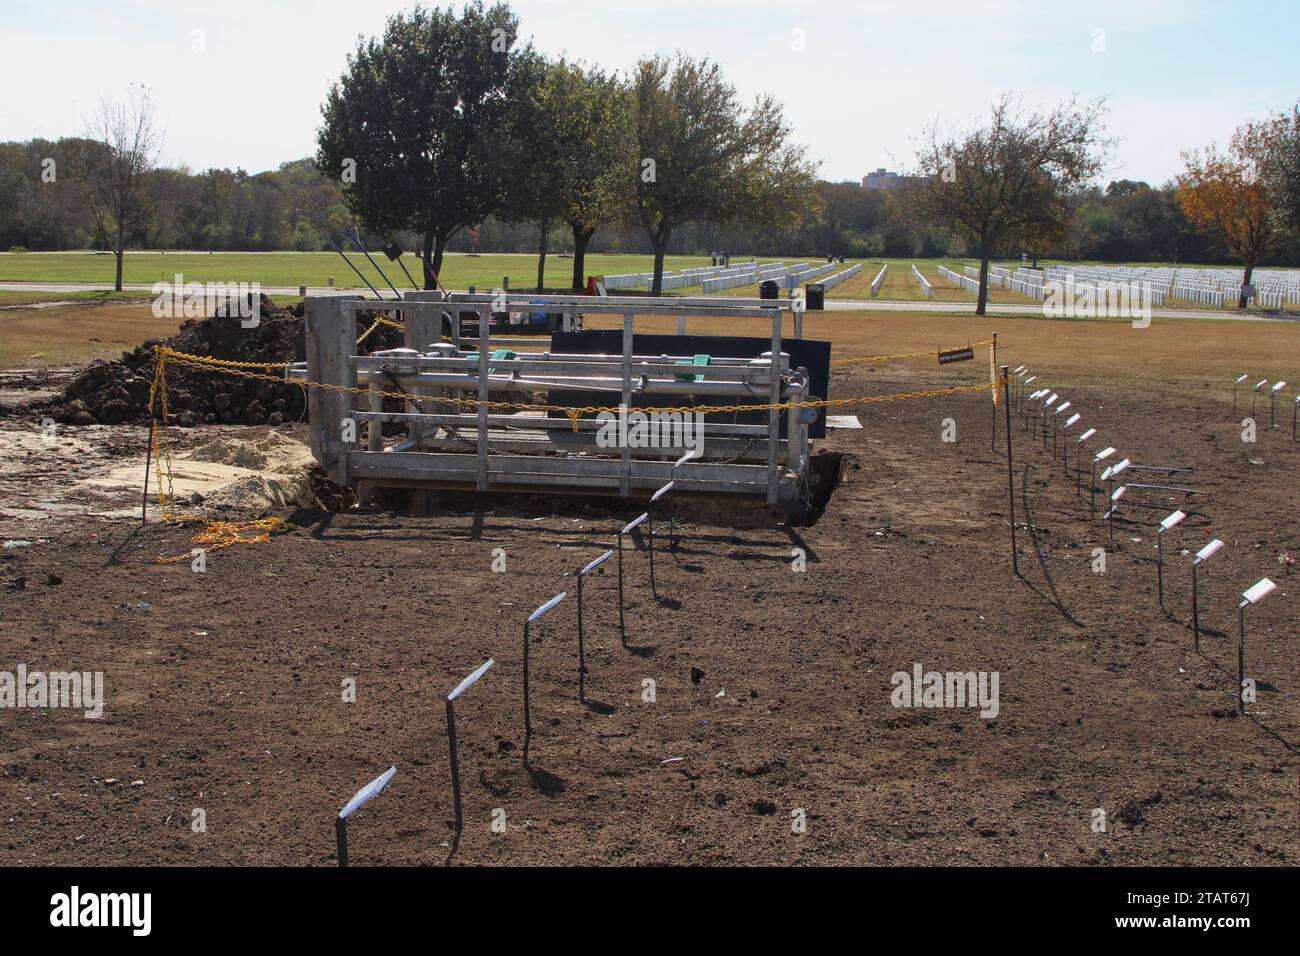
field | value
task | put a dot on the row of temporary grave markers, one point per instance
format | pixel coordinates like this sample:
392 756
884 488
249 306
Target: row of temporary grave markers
1044 405
377 786
1273 391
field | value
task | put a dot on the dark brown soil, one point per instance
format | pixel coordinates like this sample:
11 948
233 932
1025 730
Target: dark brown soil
112 393
224 690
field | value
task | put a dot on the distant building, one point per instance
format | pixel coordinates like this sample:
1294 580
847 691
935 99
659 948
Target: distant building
882 179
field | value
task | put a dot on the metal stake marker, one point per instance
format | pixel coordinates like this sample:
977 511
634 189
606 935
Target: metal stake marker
1256 593
363 796
672 515
1116 495
1078 460
1240 379
1055 428
1011 475
1294 409
1051 399
1207 552
622 628
148 455
1029 381
1065 449
528 723
1019 373
650 533
1031 411
1254 395
1169 523
582 662
463 686
1092 479
1272 401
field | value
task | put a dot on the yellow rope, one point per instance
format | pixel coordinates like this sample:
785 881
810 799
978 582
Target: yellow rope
217 535
928 353
379 320
202 362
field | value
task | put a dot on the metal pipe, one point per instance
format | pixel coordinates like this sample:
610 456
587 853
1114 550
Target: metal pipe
355 236
1241 657
335 246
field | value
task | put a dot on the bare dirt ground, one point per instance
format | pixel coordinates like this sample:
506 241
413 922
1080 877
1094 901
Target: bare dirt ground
224 688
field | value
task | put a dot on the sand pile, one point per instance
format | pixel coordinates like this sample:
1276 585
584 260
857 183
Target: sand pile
227 473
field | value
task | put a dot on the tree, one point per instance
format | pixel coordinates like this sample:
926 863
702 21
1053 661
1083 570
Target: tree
704 157
130 146
412 129
539 149
1280 169
1222 193
1009 181
601 161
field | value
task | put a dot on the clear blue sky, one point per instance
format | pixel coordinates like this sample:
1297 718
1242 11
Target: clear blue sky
1176 74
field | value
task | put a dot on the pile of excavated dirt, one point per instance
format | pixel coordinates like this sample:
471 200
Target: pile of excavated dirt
111 393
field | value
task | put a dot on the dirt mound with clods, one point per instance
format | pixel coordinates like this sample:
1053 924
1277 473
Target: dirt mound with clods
111 393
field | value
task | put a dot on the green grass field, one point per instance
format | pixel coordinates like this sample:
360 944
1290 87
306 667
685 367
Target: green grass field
293 269
312 268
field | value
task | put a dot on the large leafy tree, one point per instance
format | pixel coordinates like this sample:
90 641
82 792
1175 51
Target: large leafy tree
1280 168
538 150
572 155
1221 192
601 159
1011 180
703 156
414 126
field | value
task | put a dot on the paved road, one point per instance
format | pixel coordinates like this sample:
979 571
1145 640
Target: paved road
832 305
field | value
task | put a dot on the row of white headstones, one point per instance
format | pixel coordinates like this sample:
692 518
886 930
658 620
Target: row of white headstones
1272 288
920 280
718 279
711 278
682 279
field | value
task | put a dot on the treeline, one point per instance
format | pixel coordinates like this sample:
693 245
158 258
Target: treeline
47 203
287 208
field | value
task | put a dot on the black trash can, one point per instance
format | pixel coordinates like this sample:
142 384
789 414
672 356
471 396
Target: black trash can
814 294
767 289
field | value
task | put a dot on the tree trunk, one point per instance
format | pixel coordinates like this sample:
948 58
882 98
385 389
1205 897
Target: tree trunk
544 228
984 283
580 239
659 239
658 287
435 243
1245 281
426 253
121 252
